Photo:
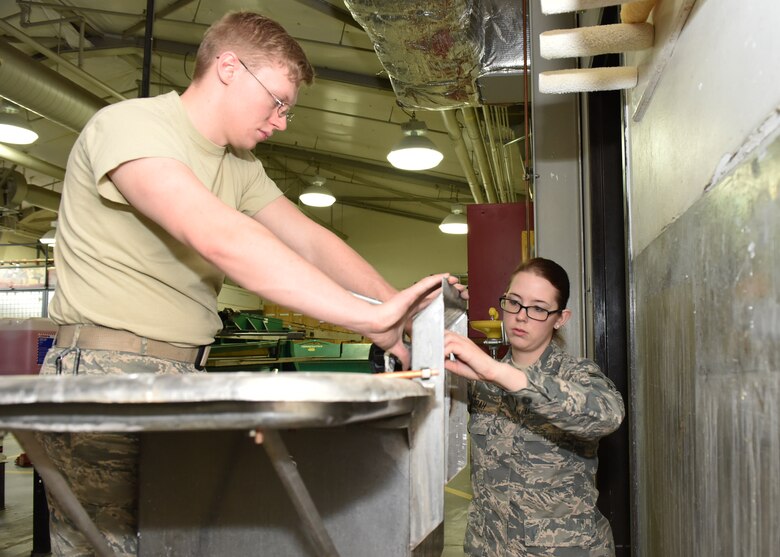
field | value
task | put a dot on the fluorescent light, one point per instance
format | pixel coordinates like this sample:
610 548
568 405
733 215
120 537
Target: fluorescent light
317 195
455 222
415 151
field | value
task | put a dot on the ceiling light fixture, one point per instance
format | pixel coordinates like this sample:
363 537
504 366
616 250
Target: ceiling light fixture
415 151
14 128
317 195
50 237
455 223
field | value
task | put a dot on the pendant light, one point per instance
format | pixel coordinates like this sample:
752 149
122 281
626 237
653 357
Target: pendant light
317 195
455 222
415 151
14 128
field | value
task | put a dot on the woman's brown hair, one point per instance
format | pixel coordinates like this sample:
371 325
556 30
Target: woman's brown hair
550 270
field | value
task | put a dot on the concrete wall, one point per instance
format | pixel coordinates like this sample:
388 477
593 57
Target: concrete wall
703 182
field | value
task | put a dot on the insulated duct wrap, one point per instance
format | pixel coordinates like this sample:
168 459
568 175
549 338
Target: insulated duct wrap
43 91
431 51
434 53
501 24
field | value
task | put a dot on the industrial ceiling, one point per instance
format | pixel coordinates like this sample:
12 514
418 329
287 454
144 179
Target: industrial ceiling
457 65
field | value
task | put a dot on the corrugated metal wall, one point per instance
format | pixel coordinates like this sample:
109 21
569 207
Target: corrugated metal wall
707 377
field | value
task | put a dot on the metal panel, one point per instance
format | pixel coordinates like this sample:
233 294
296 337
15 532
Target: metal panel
708 371
200 401
216 493
439 426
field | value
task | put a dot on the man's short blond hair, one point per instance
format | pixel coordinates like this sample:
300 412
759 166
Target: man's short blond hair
258 40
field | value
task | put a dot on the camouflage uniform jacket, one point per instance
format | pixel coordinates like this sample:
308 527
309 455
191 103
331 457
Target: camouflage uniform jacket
533 461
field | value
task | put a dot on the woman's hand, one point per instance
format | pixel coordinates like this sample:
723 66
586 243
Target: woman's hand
474 363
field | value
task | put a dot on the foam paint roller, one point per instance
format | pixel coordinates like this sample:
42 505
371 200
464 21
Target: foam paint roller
565 6
584 80
636 12
591 41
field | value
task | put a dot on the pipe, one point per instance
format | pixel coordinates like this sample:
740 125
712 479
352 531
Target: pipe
43 198
492 126
50 54
29 162
155 15
472 128
453 129
509 167
148 45
43 91
16 189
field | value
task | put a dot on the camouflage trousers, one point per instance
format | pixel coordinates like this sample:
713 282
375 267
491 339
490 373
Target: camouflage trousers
100 468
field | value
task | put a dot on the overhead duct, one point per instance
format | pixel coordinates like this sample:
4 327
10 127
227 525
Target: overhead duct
30 84
43 198
504 62
23 159
428 49
442 55
14 189
43 91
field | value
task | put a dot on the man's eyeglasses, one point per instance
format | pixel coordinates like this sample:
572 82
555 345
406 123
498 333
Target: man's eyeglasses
282 108
533 312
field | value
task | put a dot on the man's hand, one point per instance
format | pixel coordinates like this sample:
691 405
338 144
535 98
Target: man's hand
454 281
393 314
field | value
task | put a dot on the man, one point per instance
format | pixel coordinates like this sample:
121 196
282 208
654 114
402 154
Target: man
162 198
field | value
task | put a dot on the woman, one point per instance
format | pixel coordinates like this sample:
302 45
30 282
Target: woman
536 419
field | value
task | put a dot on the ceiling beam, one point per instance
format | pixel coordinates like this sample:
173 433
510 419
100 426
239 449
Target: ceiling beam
330 10
417 178
389 211
158 14
110 45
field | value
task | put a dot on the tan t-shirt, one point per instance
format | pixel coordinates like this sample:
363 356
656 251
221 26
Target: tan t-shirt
117 268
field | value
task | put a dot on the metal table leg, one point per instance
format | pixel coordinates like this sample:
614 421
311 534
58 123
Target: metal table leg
293 483
61 491
41 538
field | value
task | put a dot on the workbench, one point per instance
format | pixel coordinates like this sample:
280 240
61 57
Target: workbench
349 464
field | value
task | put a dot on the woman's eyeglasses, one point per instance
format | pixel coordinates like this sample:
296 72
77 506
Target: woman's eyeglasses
533 312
